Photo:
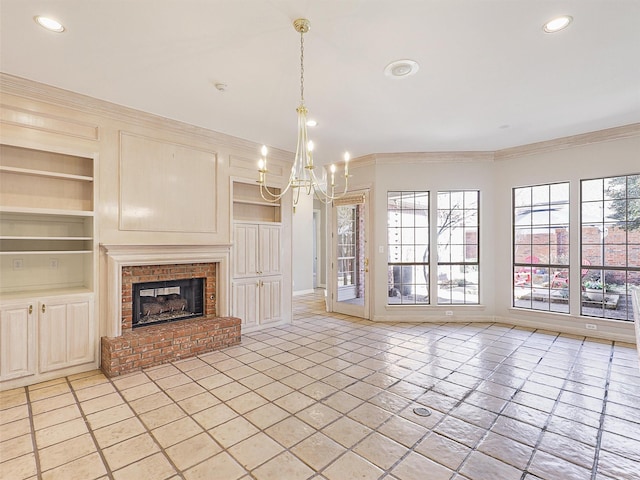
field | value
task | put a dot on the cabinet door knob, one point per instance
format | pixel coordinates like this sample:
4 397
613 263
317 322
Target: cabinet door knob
44 307
30 309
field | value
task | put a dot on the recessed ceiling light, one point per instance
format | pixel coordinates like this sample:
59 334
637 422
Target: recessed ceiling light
312 123
49 23
401 68
557 24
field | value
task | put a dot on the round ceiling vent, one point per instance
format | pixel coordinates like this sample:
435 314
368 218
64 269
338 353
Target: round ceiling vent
401 68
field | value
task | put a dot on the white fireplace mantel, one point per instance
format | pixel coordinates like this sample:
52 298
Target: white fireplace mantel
118 256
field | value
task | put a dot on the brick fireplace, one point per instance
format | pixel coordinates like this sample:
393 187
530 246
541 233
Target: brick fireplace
133 274
124 349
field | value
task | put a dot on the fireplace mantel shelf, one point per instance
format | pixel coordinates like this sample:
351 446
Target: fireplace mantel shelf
142 254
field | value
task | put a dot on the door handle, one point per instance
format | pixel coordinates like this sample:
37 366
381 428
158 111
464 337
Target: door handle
30 309
44 308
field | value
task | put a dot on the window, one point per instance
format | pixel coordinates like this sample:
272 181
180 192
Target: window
541 247
408 244
610 240
458 247
350 280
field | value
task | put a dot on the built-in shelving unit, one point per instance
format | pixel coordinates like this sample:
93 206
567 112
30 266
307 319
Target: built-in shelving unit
44 173
47 264
258 280
248 204
47 240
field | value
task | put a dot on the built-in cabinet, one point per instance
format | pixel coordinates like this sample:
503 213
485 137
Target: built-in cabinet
258 301
66 333
257 249
47 262
17 340
58 331
257 285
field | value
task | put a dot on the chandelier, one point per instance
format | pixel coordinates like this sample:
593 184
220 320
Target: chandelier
303 176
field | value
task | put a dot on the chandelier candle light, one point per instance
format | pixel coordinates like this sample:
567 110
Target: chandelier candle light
302 175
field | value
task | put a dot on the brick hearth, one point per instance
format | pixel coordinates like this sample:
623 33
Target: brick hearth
157 344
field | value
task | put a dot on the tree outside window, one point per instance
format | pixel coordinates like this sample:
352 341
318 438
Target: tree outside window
458 264
610 246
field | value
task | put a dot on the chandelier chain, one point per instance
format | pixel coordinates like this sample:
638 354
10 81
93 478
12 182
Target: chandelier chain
302 67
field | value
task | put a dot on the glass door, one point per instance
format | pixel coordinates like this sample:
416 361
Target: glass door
350 255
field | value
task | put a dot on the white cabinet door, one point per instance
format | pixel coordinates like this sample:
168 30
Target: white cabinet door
17 341
80 345
256 250
257 286
270 299
66 333
53 332
269 237
245 250
245 295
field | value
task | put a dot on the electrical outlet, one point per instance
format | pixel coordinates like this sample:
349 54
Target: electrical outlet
53 263
18 264
591 326
449 313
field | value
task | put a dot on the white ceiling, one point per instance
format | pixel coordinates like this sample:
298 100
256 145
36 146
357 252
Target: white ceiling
489 77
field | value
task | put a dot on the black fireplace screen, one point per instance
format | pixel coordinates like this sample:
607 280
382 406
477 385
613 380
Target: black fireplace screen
167 301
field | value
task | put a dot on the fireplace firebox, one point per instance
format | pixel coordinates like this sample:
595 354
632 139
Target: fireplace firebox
167 301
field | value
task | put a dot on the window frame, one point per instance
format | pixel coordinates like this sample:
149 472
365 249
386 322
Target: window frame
523 273
405 267
588 304
464 264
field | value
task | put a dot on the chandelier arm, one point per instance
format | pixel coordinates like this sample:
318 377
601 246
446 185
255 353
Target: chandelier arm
274 197
317 184
324 200
325 192
296 196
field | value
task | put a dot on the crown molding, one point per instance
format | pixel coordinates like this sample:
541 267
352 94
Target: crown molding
432 157
364 161
86 105
607 135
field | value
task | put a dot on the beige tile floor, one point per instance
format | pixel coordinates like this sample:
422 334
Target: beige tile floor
333 397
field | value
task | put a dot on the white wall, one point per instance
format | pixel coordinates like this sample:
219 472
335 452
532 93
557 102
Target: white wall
608 153
573 163
433 172
323 253
302 255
